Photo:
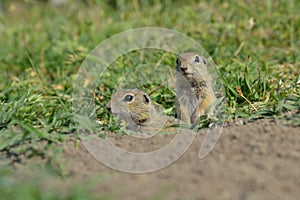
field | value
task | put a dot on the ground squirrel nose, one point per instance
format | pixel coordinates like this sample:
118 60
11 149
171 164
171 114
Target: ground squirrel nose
183 69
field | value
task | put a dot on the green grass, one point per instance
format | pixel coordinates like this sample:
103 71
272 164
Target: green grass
255 45
44 185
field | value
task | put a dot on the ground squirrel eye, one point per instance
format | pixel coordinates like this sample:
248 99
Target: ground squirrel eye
197 59
128 98
146 99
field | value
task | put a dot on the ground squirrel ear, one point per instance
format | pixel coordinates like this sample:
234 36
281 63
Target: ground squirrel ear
204 61
146 99
108 106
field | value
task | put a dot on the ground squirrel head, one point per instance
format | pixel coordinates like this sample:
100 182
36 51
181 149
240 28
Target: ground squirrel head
191 66
133 106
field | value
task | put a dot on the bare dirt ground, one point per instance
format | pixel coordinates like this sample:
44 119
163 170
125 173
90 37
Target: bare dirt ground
259 160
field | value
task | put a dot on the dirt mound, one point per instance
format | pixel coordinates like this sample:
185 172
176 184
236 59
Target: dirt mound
258 160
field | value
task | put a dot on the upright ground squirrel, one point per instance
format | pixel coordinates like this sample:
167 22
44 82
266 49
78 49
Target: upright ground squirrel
135 107
193 87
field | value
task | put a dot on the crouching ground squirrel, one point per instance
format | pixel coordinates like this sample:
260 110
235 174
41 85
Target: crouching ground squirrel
193 87
135 107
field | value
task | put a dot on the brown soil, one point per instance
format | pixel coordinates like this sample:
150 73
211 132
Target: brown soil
259 160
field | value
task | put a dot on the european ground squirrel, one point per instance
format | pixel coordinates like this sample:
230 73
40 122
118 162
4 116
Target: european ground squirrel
193 87
135 107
